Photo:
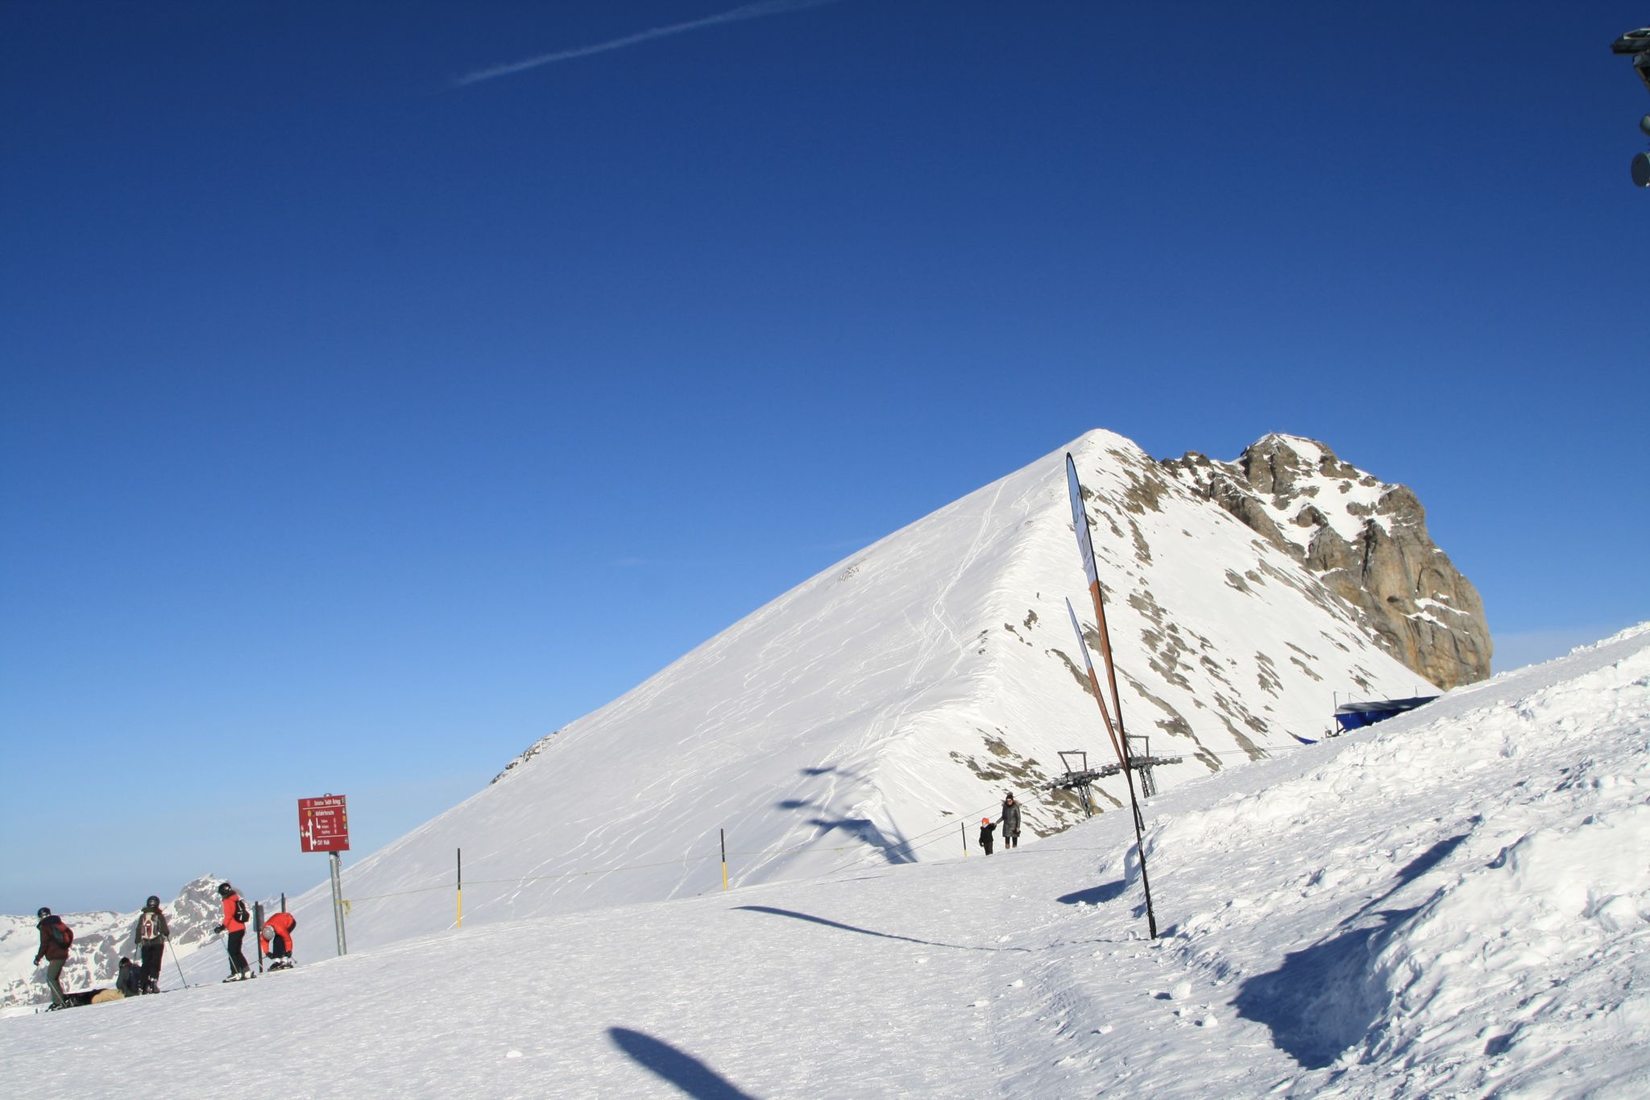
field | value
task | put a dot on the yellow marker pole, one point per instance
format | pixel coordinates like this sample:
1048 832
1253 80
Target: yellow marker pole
460 852
724 835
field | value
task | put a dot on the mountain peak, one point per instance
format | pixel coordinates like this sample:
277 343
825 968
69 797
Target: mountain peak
874 711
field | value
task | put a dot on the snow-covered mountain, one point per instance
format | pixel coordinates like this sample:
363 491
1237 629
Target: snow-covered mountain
880 708
1453 903
100 941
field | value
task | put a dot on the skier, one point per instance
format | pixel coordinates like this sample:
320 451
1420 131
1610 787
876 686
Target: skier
55 938
234 922
1010 818
987 830
151 934
277 939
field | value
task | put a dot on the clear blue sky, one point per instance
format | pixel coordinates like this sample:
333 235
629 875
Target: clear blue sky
361 424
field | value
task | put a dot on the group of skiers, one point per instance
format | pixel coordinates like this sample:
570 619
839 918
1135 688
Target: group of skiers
1009 819
151 934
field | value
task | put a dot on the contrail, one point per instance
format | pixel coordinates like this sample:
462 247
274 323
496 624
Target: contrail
739 14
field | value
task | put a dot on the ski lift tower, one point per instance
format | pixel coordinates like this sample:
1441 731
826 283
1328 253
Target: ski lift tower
1080 777
1636 44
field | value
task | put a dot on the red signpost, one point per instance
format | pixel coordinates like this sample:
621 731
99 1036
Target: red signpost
323 826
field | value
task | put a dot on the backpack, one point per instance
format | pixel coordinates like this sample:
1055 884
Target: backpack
147 929
61 934
240 911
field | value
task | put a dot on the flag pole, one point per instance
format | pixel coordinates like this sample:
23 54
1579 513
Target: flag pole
1120 741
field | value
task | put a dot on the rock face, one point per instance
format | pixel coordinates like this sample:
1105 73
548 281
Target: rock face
1365 539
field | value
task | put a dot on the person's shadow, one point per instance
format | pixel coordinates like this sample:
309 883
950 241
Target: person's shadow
678 1067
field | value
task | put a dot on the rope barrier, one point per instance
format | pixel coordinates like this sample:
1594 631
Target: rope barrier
939 833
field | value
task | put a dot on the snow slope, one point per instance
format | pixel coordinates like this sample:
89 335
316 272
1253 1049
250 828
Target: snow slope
1453 903
879 706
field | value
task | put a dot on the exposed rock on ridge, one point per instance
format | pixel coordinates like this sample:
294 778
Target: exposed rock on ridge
1368 542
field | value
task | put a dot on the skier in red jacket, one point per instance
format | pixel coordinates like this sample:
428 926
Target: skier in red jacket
234 922
277 940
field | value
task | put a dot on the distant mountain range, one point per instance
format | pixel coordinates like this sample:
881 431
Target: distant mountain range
100 939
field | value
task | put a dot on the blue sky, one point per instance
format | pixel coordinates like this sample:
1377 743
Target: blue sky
362 423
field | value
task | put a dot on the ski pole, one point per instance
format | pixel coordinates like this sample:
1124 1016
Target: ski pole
176 963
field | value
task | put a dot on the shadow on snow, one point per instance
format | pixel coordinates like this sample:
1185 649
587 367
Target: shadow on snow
793 914
1323 999
1095 895
679 1068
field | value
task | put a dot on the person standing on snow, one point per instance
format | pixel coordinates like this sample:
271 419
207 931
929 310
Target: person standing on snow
150 933
1010 818
234 922
277 939
55 938
987 834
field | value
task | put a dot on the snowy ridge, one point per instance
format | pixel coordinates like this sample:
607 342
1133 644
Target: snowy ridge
865 716
1452 903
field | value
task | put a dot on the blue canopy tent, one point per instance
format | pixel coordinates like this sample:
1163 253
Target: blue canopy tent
1354 716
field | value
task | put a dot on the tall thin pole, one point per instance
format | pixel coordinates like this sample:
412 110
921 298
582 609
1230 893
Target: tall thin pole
460 852
338 903
724 835
258 931
1085 546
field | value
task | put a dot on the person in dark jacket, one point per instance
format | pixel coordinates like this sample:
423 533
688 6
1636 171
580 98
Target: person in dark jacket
277 940
150 933
239 969
987 834
130 980
1010 819
55 938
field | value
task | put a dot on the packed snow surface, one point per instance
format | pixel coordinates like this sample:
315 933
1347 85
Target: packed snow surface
1453 903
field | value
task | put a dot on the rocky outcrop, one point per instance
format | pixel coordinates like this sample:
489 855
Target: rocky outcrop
1366 539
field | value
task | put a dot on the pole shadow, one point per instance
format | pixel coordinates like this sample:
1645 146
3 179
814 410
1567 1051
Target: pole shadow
866 931
677 1067
1095 895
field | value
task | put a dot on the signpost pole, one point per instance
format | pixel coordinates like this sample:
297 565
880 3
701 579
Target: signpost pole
338 903
323 826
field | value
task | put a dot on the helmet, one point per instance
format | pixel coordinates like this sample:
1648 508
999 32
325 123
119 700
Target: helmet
43 914
152 903
224 889
985 821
